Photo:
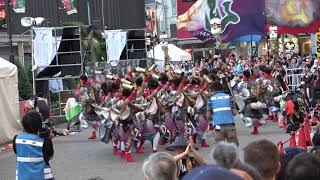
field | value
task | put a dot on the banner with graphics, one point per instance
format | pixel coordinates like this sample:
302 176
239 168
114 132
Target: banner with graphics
19 6
69 6
236 18
2 15
293 16
2 10
318 44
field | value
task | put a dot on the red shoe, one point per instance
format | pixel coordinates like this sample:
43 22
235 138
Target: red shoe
140 149
275 118
194 137
204 143
130 158
123 155
93 135
269 118
115 150
255 131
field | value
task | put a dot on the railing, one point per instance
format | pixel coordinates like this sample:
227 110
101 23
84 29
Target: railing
294 77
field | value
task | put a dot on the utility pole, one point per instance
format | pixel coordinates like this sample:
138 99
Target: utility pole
102 14
9 30
89 12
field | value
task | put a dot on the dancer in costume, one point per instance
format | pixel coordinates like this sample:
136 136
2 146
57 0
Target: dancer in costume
123 112
85 92
254 110
198 110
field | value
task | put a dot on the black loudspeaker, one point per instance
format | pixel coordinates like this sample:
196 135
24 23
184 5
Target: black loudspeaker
68 44
136 42
71 59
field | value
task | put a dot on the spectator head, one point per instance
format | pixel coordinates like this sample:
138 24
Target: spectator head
277 64
32 122
247 73
208 172
249 169
216 86
225 154
243 174
160 166
304 166
316 139
264 156
308 67
285 158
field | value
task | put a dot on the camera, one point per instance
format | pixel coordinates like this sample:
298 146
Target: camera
45 130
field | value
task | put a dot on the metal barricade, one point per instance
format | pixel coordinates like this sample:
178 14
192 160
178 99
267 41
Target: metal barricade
294 77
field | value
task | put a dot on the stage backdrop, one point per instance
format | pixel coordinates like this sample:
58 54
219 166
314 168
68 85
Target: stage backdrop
238 19
294 16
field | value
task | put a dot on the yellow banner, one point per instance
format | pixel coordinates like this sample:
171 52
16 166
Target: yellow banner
318 44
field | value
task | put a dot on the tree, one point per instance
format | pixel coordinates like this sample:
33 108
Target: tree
24 83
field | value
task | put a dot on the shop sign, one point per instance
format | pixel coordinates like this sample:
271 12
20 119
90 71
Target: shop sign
318 44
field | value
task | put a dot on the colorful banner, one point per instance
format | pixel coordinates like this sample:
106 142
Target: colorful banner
2 10
318 44
237 19
293 16
19 6
204 35
182 7
69 6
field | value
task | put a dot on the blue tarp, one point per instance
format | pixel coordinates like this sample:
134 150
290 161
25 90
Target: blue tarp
247 38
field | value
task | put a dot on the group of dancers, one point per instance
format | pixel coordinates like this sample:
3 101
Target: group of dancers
159 105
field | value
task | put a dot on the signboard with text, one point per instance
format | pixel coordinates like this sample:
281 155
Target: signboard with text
318 44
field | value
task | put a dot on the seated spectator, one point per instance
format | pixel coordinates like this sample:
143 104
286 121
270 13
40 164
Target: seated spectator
264 156
187 157
160 166
289 153
304 166
225 154
209 172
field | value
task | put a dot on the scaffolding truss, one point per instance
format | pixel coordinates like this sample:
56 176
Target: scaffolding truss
134 45
57 100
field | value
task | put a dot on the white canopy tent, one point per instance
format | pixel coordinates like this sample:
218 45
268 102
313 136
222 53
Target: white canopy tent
9 104
175 54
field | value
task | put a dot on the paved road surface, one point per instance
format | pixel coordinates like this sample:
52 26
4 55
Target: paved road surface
77 158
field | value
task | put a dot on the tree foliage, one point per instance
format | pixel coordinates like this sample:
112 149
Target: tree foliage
24 81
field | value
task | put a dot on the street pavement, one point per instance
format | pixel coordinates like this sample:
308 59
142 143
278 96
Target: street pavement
77 158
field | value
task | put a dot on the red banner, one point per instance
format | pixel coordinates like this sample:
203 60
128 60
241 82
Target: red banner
182 7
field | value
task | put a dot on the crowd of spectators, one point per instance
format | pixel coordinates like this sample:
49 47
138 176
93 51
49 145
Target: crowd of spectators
261 161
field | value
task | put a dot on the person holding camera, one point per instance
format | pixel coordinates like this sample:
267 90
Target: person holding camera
186 155
33 149
308 79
